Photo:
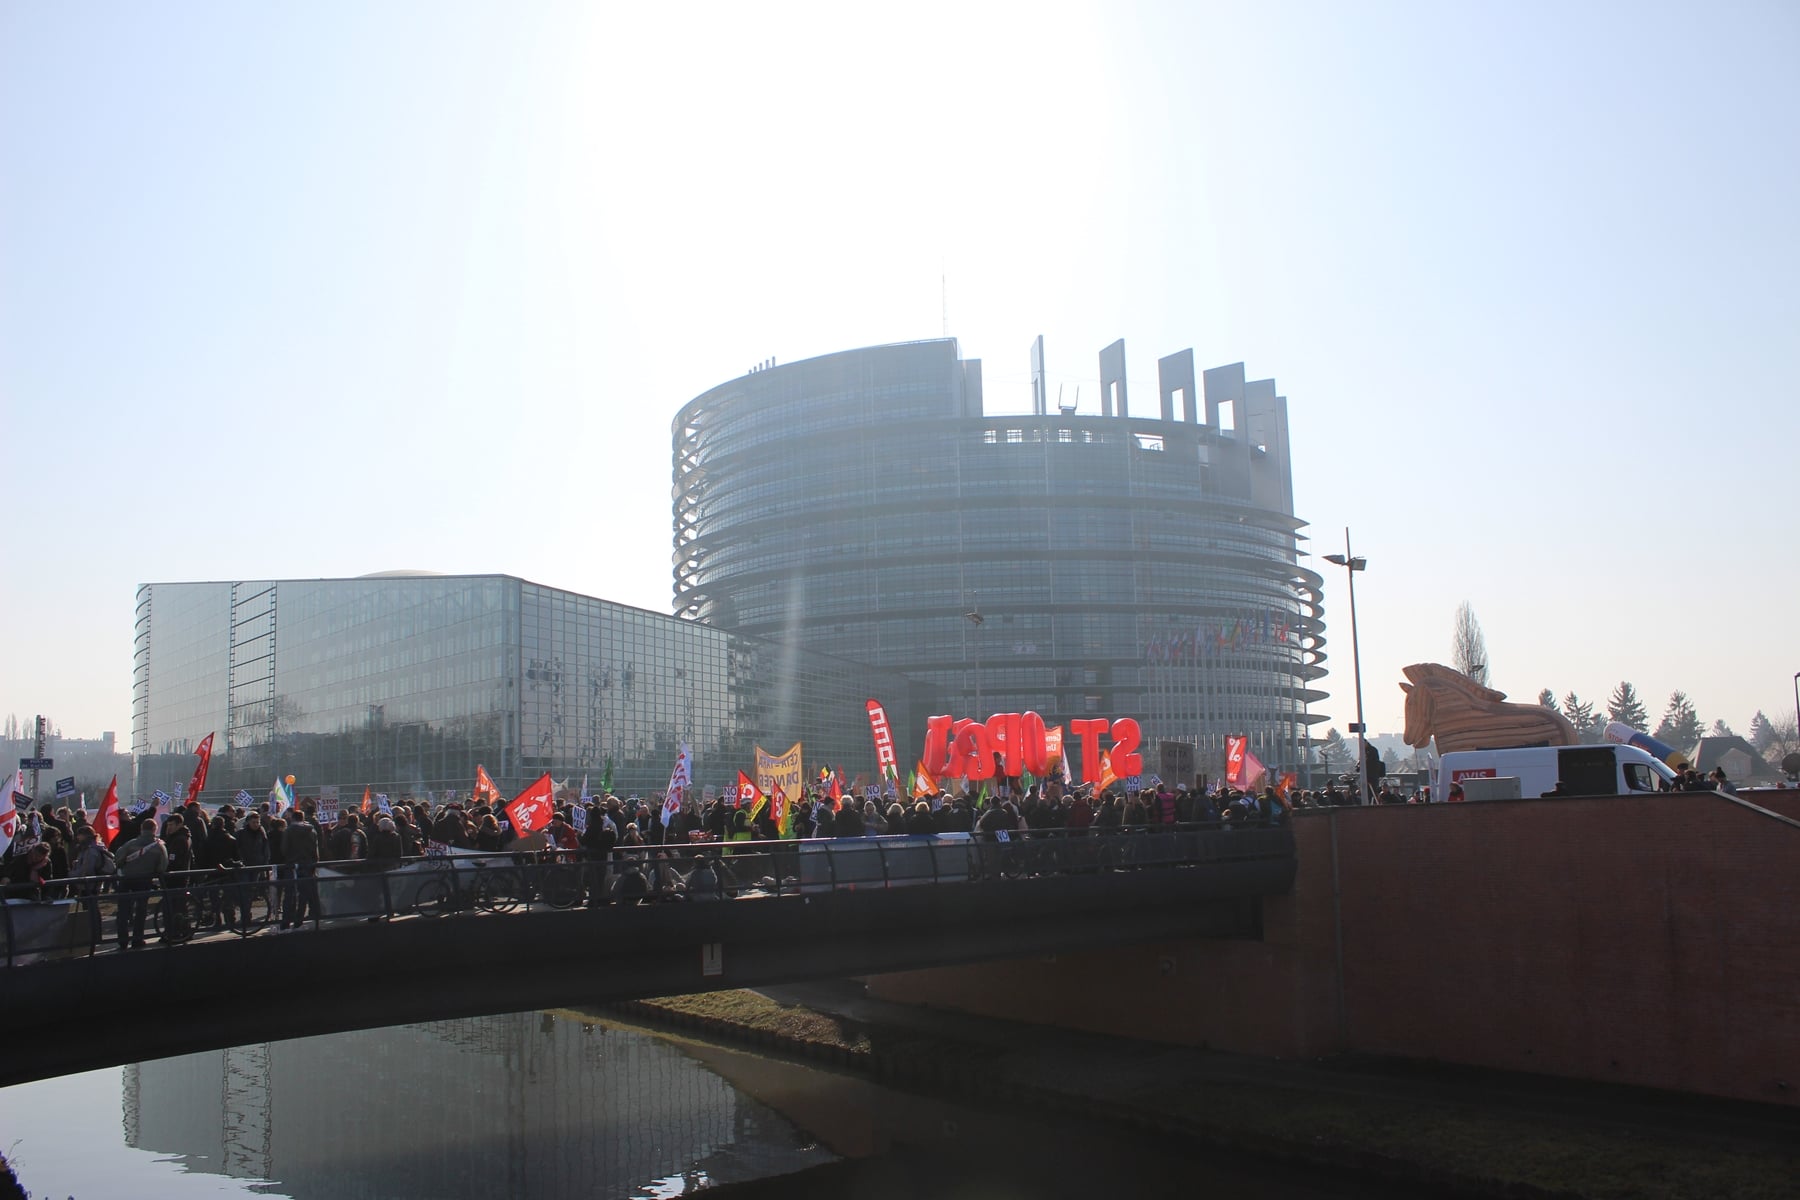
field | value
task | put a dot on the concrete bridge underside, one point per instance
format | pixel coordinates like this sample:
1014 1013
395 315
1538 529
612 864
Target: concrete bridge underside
88 1013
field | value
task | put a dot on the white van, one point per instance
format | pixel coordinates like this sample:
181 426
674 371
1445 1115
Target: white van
1607 770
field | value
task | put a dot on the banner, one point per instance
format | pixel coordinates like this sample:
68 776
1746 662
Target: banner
532 808
781 771
884 739
328 804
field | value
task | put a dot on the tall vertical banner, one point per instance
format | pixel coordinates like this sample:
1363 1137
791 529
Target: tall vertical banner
884 740
205 753
1236 746
779 771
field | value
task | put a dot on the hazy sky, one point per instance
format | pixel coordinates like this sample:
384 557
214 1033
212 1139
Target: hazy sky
323 289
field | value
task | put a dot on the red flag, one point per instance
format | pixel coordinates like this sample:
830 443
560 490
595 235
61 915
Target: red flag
746 791
532 808
485 791
834 793
205 753
106 821
366 799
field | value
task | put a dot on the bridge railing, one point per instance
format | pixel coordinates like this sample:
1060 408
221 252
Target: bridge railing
91 915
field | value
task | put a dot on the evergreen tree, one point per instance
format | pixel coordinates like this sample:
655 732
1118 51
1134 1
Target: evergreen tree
1581 716
1680 725
1720 729
1547 698
1760 731
1625 707
1333 748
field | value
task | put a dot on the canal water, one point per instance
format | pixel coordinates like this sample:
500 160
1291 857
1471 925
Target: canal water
539 1106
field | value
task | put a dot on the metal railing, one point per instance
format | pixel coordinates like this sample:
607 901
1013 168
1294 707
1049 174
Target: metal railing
94 915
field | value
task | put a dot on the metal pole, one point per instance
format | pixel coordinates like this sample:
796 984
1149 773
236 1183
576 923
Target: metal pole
38 752
1362 729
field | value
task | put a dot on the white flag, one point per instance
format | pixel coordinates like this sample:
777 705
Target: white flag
679 781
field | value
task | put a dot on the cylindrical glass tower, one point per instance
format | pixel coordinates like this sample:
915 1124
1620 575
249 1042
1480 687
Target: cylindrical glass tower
863 504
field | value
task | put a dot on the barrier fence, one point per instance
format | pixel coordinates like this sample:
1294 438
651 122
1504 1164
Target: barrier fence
94 915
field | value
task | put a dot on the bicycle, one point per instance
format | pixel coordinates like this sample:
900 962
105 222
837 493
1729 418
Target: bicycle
490 889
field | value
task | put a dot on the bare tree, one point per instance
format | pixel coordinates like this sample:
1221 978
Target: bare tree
1469 651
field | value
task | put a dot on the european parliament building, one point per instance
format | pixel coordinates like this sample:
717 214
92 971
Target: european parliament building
847 527
406 682
864 504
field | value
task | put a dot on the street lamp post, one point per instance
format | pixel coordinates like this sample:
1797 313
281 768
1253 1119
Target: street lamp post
974 617
1351 566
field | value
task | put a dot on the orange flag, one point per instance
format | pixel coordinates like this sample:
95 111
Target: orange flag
365 803
1107 778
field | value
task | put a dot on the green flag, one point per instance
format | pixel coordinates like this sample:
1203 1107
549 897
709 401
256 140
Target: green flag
606 777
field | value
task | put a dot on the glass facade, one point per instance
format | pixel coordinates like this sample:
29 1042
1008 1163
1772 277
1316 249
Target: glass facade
405 684
863 504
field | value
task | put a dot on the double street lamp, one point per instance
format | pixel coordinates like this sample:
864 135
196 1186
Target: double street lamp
1352 565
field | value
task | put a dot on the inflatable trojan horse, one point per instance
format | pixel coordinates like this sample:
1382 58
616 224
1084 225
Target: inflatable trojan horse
1445 704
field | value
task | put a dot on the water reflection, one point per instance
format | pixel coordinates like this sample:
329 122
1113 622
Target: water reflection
530 1104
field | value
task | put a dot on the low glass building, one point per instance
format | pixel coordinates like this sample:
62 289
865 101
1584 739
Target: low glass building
404 683
866 504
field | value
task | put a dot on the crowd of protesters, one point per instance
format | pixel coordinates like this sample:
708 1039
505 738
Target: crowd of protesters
254 856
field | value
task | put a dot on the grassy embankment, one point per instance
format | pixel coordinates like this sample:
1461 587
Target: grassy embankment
1467 1148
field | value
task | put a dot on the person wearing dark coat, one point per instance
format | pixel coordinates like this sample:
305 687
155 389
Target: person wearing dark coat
848 824
300 851
597 842
385 846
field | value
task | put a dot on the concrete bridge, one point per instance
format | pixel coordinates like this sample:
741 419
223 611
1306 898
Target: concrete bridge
1652 941
855 907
